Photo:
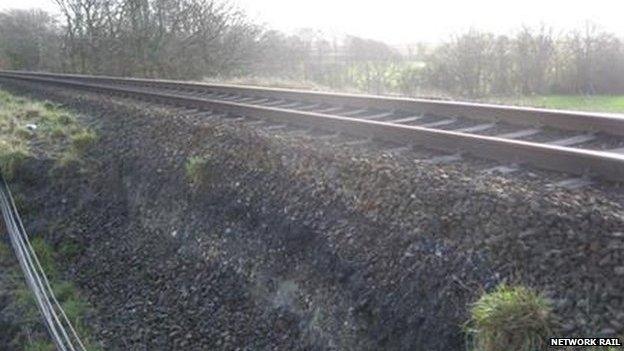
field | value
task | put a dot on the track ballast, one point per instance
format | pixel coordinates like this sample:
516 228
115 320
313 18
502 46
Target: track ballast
583 144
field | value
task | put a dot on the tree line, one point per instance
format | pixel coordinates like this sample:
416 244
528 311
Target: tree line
194 39
587 61
146 38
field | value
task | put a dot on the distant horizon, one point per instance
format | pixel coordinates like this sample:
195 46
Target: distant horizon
400 24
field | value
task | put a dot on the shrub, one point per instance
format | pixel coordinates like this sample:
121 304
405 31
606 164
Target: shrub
510 319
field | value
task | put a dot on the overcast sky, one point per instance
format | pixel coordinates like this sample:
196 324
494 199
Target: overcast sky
405 21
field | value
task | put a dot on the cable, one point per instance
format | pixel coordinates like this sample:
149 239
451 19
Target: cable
36 278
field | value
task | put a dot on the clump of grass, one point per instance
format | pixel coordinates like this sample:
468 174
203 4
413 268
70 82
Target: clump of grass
510 319
21 202
82 140
23 133
12 155
69 249
66 119
49 106
58 132
198 170
45 253
32 113
65 160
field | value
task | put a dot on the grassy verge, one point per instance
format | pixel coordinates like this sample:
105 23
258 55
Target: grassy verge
270 82
30 131
38 129
591 103
595 103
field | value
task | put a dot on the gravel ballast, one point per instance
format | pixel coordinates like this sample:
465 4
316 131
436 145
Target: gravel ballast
296 243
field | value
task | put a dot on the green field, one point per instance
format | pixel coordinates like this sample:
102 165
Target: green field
595 103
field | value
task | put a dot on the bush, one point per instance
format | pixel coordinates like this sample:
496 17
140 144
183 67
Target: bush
510 319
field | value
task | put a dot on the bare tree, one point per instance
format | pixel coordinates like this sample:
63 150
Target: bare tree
532 55
29 40
167 38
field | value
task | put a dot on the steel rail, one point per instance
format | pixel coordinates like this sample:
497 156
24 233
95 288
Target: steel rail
604 165
559 119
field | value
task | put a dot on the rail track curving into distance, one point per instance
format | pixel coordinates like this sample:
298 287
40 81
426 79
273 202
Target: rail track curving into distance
583 144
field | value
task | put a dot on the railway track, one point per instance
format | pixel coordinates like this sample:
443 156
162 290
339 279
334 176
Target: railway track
583 144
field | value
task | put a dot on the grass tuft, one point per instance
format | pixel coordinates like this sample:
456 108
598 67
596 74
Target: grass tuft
12 155
69 249
198 170
45 253
82 140
32 113
49 106
510 319
66 119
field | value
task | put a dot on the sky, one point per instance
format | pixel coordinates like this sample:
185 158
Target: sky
408 21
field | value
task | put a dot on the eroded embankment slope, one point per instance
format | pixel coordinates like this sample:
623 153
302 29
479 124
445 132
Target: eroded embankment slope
289 243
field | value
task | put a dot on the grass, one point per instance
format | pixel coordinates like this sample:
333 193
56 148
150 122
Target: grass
594 103
81 141
510 319
25 122
32 129
75 306
12 155
269 82
39 345
198 170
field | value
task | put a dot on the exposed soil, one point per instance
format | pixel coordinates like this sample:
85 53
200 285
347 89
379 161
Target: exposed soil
293 243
